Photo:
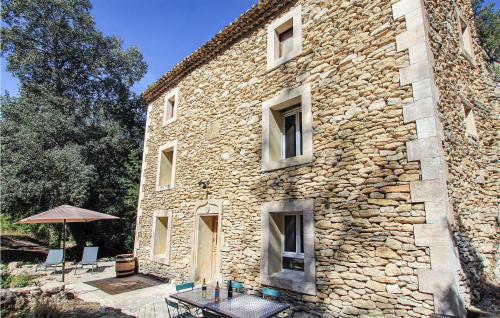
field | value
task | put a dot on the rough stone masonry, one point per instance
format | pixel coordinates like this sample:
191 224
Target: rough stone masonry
402 198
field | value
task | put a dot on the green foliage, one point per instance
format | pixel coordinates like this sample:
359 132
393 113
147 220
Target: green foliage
7 227
16 281
488 28
73 135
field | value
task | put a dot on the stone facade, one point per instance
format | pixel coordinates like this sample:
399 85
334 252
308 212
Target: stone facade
399 193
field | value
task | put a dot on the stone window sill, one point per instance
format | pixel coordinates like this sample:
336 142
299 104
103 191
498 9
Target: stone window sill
468 57
291 280
160 258
282 60
169 121
288 162
164 187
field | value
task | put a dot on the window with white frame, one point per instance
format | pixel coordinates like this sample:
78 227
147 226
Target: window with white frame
171 104
166 166
466 47
287 129
293 242
288 255
284 38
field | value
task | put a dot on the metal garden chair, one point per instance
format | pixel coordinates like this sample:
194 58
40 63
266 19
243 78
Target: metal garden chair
54 258
89 258
186 313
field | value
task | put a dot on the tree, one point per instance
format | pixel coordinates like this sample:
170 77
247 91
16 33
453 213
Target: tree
488 28
75 129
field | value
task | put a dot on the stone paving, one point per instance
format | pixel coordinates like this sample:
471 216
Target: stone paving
143 303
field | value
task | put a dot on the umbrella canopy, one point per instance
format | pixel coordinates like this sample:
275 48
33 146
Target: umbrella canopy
68 214
65 214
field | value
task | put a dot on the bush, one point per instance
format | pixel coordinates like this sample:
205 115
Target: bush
9 228
17 281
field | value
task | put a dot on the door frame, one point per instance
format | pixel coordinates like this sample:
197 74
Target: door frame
208 208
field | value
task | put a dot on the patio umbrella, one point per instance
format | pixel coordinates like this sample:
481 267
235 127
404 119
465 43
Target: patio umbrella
66 214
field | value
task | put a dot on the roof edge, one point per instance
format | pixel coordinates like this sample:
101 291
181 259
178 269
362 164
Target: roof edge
247 22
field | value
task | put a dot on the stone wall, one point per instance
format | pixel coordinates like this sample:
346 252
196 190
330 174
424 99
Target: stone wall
365 252
472 163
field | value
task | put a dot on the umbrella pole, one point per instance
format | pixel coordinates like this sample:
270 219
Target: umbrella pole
64 248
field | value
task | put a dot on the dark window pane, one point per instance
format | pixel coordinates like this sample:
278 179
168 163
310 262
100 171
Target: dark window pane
302 234
290 243
290 136
296 264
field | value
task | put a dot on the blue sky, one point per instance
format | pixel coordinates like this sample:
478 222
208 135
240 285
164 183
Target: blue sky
166 31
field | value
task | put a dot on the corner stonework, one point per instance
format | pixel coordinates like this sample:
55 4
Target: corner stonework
442 279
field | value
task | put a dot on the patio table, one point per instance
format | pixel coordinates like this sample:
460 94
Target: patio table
247 306
240 306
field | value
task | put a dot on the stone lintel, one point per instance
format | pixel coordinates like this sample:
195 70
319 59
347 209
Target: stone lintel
429 127
422 108
403 7
428 190
443 286
415 73
424 148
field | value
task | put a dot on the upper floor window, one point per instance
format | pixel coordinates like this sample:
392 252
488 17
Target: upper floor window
287 129
465 35
166 166
284 38
170 106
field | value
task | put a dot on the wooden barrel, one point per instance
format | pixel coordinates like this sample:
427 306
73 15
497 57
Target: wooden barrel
125 265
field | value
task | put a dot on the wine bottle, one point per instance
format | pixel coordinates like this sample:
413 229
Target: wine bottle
204 289
229 290
217 293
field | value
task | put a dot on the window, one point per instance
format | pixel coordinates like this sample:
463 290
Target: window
292 133
469 121
160 238
166 166
171 104
284 38
466 47
288 256
287 129
293 243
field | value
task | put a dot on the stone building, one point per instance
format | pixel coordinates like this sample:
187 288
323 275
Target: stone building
342 151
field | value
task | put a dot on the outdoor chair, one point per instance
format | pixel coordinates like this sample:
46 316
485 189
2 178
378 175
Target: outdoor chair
186 313
238 287
270 293
183 286
89 258
54 258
